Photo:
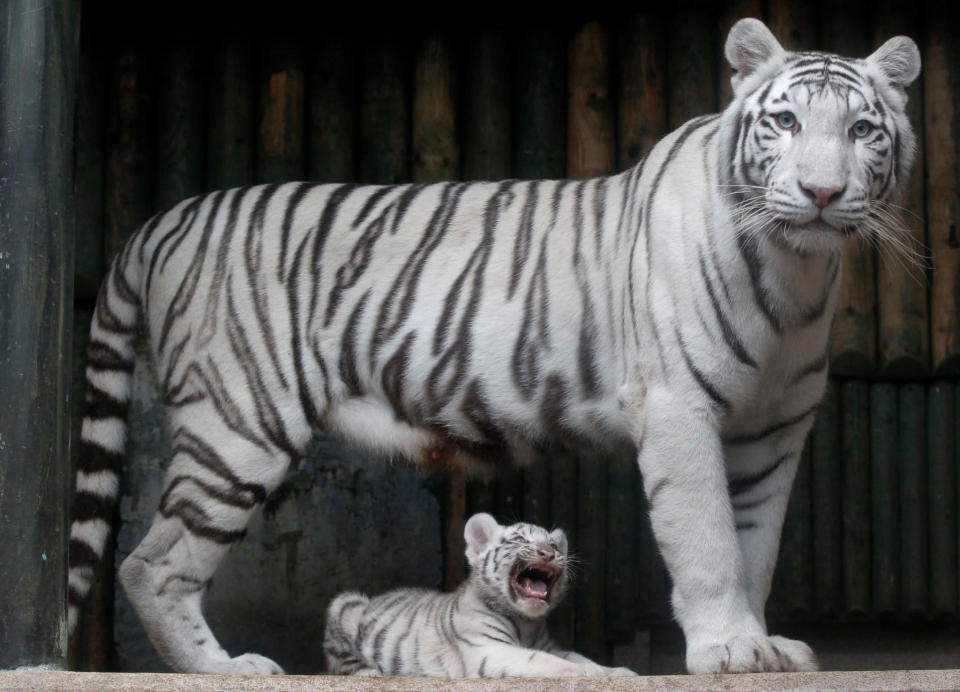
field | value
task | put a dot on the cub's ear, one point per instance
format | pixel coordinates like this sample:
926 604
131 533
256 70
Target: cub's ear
749 45
898 60
480 531
559 538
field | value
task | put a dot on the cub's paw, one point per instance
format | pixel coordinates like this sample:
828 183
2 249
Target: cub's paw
752 654
249 664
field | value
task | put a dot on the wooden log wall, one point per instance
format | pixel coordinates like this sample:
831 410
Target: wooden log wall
872 524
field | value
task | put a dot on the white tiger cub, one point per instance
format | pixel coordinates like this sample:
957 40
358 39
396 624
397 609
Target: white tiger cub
682 307
492 626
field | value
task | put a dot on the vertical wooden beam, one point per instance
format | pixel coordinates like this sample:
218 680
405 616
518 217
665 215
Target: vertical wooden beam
39 59
827 484
794 24
885 495
912 453
487 106
942 483
941 83
436 148
539 87
281 151
590 126
384 114
131 107
903 320
333 110
855 460
641 102
90 150
231 102
795 568
691 66
179 124
620 591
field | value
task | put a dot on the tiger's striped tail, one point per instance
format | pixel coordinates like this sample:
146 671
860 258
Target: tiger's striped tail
109 378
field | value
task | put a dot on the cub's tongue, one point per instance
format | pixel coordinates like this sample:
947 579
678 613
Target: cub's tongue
533 587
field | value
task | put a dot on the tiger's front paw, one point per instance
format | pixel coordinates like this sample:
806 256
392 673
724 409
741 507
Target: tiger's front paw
249 664
620 672
752 654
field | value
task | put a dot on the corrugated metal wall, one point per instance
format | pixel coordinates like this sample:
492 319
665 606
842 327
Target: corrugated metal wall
168 110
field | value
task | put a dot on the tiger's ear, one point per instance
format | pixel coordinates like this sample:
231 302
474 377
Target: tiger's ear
480 530
559 538
898 60
749 45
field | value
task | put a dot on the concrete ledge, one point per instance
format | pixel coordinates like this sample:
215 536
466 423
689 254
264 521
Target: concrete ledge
155 682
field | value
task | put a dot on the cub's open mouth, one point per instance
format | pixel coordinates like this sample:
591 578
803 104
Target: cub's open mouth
534 580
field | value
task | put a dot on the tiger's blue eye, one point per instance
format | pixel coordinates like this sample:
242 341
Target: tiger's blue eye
786 120
861 128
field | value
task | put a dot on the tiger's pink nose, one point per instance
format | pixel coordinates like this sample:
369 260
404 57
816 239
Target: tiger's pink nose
821 196
545 555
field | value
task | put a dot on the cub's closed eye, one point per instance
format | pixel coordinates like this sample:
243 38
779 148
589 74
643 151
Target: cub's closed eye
861 128
786 120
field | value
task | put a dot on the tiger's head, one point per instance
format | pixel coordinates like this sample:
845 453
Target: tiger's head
816 143
520 569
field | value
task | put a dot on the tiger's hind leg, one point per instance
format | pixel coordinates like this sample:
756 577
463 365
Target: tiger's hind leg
215 481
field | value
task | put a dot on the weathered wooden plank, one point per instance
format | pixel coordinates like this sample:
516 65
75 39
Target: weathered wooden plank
39 58
885 495
539 143
690 67
620 590
641 103
91 98
912 453
131 105
903 321
384 113
853 343
333 110
855 460
563 514
487 105
942 484
179 162
436 150
827 518
941 83
794 24
590 126
795 568
231 131
281 151
590 545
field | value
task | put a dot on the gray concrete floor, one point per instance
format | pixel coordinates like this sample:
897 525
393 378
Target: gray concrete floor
156 682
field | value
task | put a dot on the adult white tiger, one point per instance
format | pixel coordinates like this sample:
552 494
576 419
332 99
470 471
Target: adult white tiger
683 306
